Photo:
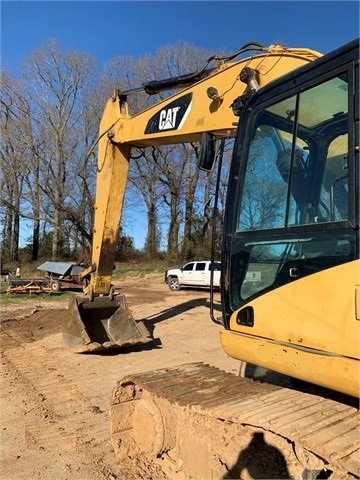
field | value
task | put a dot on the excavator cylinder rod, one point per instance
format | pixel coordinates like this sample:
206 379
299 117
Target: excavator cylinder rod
198 421
101 324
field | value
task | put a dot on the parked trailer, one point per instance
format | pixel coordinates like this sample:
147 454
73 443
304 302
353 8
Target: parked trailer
63 275
28 287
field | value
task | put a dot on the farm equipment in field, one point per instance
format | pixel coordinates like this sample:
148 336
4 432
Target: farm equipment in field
59 276
63 275
27 287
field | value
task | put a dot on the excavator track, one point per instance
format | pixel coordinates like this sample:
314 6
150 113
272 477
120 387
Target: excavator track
198 422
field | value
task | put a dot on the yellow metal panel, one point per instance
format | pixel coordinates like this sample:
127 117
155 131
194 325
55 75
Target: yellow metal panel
308 325
317 311
113 164
339 373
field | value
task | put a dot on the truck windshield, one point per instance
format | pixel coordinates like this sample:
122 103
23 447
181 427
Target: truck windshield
293 215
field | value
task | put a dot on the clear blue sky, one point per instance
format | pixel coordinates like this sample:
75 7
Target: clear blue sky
106 29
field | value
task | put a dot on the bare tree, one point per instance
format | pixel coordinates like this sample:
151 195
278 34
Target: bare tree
13 162
49 178
148 173
56 80
191 183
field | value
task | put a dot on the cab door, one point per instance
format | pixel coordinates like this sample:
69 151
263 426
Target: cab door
187 274
201 275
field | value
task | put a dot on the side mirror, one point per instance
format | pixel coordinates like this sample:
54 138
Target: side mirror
207 152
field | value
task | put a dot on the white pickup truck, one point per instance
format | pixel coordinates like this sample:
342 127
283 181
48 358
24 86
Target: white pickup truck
193 274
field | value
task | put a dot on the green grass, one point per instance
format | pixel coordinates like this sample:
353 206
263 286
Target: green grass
21 299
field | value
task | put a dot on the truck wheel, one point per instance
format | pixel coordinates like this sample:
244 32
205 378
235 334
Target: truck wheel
174 283
55 286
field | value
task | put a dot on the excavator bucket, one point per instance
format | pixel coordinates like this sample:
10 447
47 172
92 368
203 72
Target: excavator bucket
101 324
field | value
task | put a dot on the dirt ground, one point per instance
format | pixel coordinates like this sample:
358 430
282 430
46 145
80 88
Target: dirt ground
55 403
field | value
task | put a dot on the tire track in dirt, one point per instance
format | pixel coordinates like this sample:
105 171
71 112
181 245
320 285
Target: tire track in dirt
48 393
52 398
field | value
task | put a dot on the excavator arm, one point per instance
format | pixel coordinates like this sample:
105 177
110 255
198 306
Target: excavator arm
202 107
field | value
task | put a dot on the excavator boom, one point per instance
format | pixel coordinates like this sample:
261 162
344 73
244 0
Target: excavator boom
204 106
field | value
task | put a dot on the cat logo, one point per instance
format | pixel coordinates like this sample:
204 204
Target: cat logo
172 117
167 119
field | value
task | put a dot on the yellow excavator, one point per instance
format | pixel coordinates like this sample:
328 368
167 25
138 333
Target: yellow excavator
290 280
